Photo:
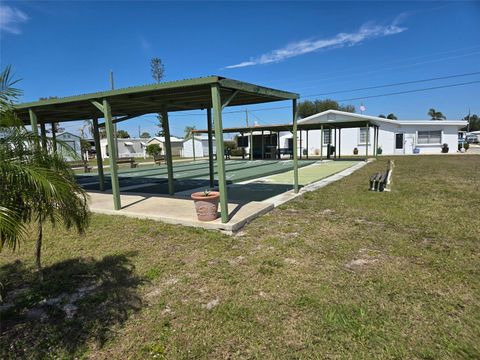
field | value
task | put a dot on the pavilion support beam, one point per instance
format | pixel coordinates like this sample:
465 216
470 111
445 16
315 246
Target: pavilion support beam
222 183
33 121
335 143
307 144
34 124
120 119
112 151
168 151
98 154
250 142
366 142
295 146
263 147
54 137
339 143
193 146
226 102
43 136
321 143
301 144
278 145
210 148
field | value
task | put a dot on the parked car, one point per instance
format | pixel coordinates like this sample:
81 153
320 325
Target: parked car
472 139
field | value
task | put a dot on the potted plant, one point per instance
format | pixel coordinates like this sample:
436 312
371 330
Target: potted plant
379 150
355 151
206 204
445 148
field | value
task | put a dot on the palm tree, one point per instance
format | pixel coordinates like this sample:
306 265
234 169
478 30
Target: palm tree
188 131
36 185
390 116
436 115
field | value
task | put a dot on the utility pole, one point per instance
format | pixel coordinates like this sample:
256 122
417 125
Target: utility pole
112 85
246 116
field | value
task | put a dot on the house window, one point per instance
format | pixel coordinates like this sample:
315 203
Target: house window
327 136
429 137
363 136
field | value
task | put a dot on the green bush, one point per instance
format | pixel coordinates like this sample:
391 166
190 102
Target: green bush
230 144
153 149
466 146
238 152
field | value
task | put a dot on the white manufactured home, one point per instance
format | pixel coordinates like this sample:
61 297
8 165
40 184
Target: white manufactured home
175 143
395 137
125 147
200 146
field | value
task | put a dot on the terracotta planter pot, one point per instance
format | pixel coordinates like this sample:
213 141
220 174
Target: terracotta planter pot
206 206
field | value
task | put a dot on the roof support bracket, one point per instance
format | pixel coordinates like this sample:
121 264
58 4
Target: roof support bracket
226 102
97 105
123 118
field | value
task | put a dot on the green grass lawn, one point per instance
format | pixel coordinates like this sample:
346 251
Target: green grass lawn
337 273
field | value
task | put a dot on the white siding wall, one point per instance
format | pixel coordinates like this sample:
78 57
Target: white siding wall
201 148
350 139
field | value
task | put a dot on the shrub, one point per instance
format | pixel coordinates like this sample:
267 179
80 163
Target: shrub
466 146
153 149
230 144
238 152
445 148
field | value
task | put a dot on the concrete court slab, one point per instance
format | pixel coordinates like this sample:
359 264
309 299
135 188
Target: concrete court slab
179 209
174 210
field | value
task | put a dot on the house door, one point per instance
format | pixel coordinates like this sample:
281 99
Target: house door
399 143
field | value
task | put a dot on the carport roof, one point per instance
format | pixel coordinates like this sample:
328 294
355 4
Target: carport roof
180 95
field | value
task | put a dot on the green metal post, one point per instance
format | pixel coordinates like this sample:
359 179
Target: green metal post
263 147
210 148
251 145
321 143
222 184
112 151
307 143
301 144
295 146
33 123
98 154
193 145
43 136
339 143
366 142
54 137
168 151
278 144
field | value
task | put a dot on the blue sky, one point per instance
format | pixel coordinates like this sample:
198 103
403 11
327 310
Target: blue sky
67 48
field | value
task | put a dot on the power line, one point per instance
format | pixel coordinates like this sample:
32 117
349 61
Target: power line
394 84
411 91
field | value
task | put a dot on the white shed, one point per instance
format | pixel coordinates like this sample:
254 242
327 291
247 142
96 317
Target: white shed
201 147
69 143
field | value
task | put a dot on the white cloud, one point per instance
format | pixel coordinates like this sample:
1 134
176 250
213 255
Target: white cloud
11 18
366 31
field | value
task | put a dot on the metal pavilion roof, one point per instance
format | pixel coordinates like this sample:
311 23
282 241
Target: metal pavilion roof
289 127
180 95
